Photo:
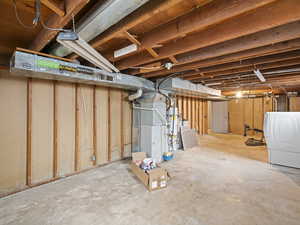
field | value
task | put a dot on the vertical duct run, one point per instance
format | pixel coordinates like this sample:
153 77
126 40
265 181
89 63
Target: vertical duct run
108 14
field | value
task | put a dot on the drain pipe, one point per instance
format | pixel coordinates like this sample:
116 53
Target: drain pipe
136 95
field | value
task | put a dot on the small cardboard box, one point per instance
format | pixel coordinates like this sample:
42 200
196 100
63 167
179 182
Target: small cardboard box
154 179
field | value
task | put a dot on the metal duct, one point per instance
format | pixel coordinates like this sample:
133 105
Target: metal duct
31 65
108 14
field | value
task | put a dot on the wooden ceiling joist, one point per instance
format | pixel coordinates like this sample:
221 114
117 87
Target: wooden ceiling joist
59 9
138 16
294 79
278 64
212 13
267 41
266 17
134 40
248 62
72 7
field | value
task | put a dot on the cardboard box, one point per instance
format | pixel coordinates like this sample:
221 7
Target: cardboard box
154 179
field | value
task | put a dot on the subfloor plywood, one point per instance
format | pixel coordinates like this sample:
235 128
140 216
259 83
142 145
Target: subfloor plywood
65 110
13 114
85 126
102 125
115 123
42 131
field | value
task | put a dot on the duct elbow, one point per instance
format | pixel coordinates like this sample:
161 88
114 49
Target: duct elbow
136 95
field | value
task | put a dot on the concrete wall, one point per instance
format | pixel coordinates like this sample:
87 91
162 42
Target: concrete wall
52 129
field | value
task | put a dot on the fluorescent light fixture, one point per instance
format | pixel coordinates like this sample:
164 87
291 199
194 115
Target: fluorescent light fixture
259 75
72 41
125 51
239 94
213 84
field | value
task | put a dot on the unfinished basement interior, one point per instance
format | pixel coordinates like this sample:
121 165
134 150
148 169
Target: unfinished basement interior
153 112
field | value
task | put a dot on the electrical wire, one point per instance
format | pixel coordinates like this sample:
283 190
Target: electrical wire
34 23
37 18
160 92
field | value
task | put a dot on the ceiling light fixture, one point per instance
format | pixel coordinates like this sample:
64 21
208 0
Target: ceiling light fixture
239 94
71 40
259 75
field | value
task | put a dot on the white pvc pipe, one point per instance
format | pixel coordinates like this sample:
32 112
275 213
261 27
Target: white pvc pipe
136 95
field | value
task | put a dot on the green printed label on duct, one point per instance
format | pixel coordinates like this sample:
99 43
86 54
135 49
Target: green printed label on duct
48 64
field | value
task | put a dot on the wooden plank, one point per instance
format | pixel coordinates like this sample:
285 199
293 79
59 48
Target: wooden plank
190 111
42 131
29 133
153 53
127 125
115 131
77 129
205 117
201 127
72 7
184 111
55 124
140 15
236 116
122 125
179 105
57 8
94 127
85 105
109 125
294 104
279 13
173 59
200 18
66 127
198 115
13 115
259 44
102 120
258 113
43 54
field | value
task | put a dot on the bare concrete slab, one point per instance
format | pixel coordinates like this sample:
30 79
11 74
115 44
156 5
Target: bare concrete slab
212 185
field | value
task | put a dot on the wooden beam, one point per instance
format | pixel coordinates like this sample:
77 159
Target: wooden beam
264 66
109 124
259 44
279 13
241 63
59 9
152 52
77 148
275 80
55 127
139 16
122 125
212 13
173 59
94 127
45 36
29 133
134 40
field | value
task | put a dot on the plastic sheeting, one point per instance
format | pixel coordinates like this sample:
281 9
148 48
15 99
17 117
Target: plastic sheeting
282 133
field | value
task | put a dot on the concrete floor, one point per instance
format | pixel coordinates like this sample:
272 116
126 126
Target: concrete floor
219 183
